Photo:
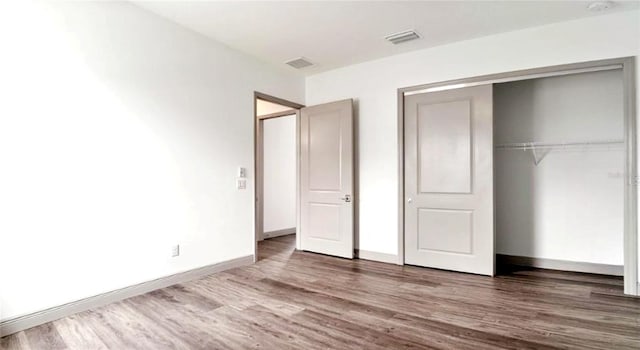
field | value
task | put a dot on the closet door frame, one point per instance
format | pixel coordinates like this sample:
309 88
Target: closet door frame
627 65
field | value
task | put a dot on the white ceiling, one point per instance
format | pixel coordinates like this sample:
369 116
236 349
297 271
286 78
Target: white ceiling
335 34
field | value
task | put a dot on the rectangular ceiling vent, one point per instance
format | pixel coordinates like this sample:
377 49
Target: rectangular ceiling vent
402 37
299 63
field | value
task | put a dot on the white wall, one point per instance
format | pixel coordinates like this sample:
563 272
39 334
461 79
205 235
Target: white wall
571 205
374 85
279 173
120 135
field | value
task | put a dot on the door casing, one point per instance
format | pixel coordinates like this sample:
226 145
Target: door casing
627 65
258 194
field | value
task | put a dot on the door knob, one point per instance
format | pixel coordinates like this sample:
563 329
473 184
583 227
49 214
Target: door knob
409 200
346 198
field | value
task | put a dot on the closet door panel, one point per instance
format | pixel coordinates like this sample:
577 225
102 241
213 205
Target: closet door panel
449 180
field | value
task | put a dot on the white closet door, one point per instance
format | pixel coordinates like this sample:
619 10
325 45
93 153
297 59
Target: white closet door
449 211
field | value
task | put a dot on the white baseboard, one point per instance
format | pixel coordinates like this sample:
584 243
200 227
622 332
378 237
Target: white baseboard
563 265
277 233
375 256
20 323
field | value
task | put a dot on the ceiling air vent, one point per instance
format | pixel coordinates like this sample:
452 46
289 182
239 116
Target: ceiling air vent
402 37
299 63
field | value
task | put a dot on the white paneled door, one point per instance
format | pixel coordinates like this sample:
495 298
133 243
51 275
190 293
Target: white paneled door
449 220
326 178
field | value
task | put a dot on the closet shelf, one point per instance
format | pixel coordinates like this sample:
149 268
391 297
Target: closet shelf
543 145
539 150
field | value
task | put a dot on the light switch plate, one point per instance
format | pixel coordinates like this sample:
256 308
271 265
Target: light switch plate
242 184
242 172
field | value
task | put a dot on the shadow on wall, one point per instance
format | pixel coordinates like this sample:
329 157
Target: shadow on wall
514 181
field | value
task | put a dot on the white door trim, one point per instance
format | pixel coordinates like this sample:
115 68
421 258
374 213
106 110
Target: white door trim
258 150
627 64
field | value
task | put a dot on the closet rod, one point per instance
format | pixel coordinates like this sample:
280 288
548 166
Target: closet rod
541 145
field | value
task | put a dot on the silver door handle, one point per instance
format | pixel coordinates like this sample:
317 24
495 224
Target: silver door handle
409 200
346 198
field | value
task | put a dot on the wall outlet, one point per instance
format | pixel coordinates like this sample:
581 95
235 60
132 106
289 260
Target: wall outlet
175 250
241 184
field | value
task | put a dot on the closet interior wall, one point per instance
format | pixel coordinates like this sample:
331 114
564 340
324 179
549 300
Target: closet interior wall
569 206
279 175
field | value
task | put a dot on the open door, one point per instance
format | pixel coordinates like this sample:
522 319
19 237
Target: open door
326 178
449 220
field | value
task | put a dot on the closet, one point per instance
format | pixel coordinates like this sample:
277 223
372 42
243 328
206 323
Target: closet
559 172
517 169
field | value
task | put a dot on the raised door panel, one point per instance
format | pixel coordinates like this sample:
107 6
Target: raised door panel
444 146
449 231
324 152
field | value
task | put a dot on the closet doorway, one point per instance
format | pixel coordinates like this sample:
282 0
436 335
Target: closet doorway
533 167
559 172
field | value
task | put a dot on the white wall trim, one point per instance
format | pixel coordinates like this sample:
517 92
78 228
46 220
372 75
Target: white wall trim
20 323
563 265
278 233
375 256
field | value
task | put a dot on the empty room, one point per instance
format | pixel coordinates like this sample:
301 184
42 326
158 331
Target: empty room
319 174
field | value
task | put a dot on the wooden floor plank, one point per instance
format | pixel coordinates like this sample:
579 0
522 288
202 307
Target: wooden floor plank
45 337
76 335
299 300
